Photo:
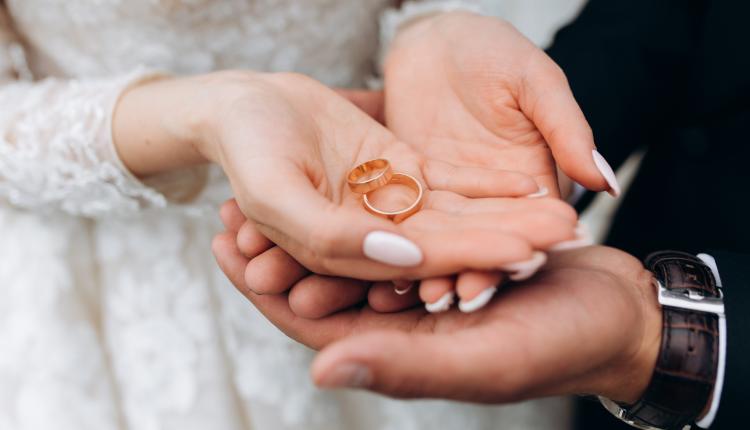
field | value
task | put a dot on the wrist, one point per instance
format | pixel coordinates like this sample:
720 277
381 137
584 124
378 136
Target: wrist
149 128
628 377
688 371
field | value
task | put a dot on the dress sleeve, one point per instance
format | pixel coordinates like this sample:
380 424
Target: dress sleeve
394 18
56 149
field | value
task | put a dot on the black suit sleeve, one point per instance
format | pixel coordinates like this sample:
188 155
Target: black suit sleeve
733 269
627 63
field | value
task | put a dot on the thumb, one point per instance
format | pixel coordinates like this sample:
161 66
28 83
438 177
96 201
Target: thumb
409 365
546 98
370 102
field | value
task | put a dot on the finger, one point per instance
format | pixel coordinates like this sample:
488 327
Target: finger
316 296
408 365
523 270
273 272
477 181
317 333
437 293
231 216
230 260
251 241
449 251
476 289
370 102
314 334
541 229
546 98
402 287
382 297
453 203
318 231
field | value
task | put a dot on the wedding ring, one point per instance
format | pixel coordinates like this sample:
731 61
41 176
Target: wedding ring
369 176
401 214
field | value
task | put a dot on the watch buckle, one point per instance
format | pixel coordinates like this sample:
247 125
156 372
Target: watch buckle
690 299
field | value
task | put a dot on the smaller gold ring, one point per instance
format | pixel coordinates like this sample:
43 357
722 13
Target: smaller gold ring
401 214
369 176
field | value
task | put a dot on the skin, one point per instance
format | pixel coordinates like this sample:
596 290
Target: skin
472 91
589 322
286 143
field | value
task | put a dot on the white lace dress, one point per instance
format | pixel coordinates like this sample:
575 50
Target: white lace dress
113 314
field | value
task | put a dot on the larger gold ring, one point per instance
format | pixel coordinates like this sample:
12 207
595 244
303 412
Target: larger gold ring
401 214
369 176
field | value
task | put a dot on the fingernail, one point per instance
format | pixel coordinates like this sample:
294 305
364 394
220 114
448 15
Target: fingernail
391 249
347 375
543 191
441 305
402 288
583 239
606 170
477 302
526 269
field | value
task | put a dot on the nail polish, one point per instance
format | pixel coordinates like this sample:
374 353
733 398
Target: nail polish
402 289
391 249
542 192
606 170
523 270
442 304
477 302
583 239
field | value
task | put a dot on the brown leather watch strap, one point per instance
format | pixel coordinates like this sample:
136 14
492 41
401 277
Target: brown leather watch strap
685 371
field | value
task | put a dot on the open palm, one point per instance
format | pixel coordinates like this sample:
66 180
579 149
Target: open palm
474 91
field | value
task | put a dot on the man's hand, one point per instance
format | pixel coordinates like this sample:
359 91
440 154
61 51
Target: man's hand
589 322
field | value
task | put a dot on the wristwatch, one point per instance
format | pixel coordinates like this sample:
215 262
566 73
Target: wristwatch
688 375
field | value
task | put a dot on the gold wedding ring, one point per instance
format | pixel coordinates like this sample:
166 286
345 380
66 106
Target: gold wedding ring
370 176
399 215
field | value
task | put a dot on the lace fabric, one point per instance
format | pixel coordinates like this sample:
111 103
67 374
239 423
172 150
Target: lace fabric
124 322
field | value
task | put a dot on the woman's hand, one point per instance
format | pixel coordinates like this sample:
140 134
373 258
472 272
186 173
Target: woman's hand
270 270
475 91
588 323
287 142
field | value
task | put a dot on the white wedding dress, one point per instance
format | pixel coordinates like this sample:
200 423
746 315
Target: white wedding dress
113 314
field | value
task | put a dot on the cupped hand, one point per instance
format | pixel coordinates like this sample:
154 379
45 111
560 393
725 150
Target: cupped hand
473 91
525 223
589 322
287 143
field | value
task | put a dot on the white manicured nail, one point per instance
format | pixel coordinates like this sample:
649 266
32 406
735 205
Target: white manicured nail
607 172
583 239
441 305
402 289
477 302
543 192
391 249
526 269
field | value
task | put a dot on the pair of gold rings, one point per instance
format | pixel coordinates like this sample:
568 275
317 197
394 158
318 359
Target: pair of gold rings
374 174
